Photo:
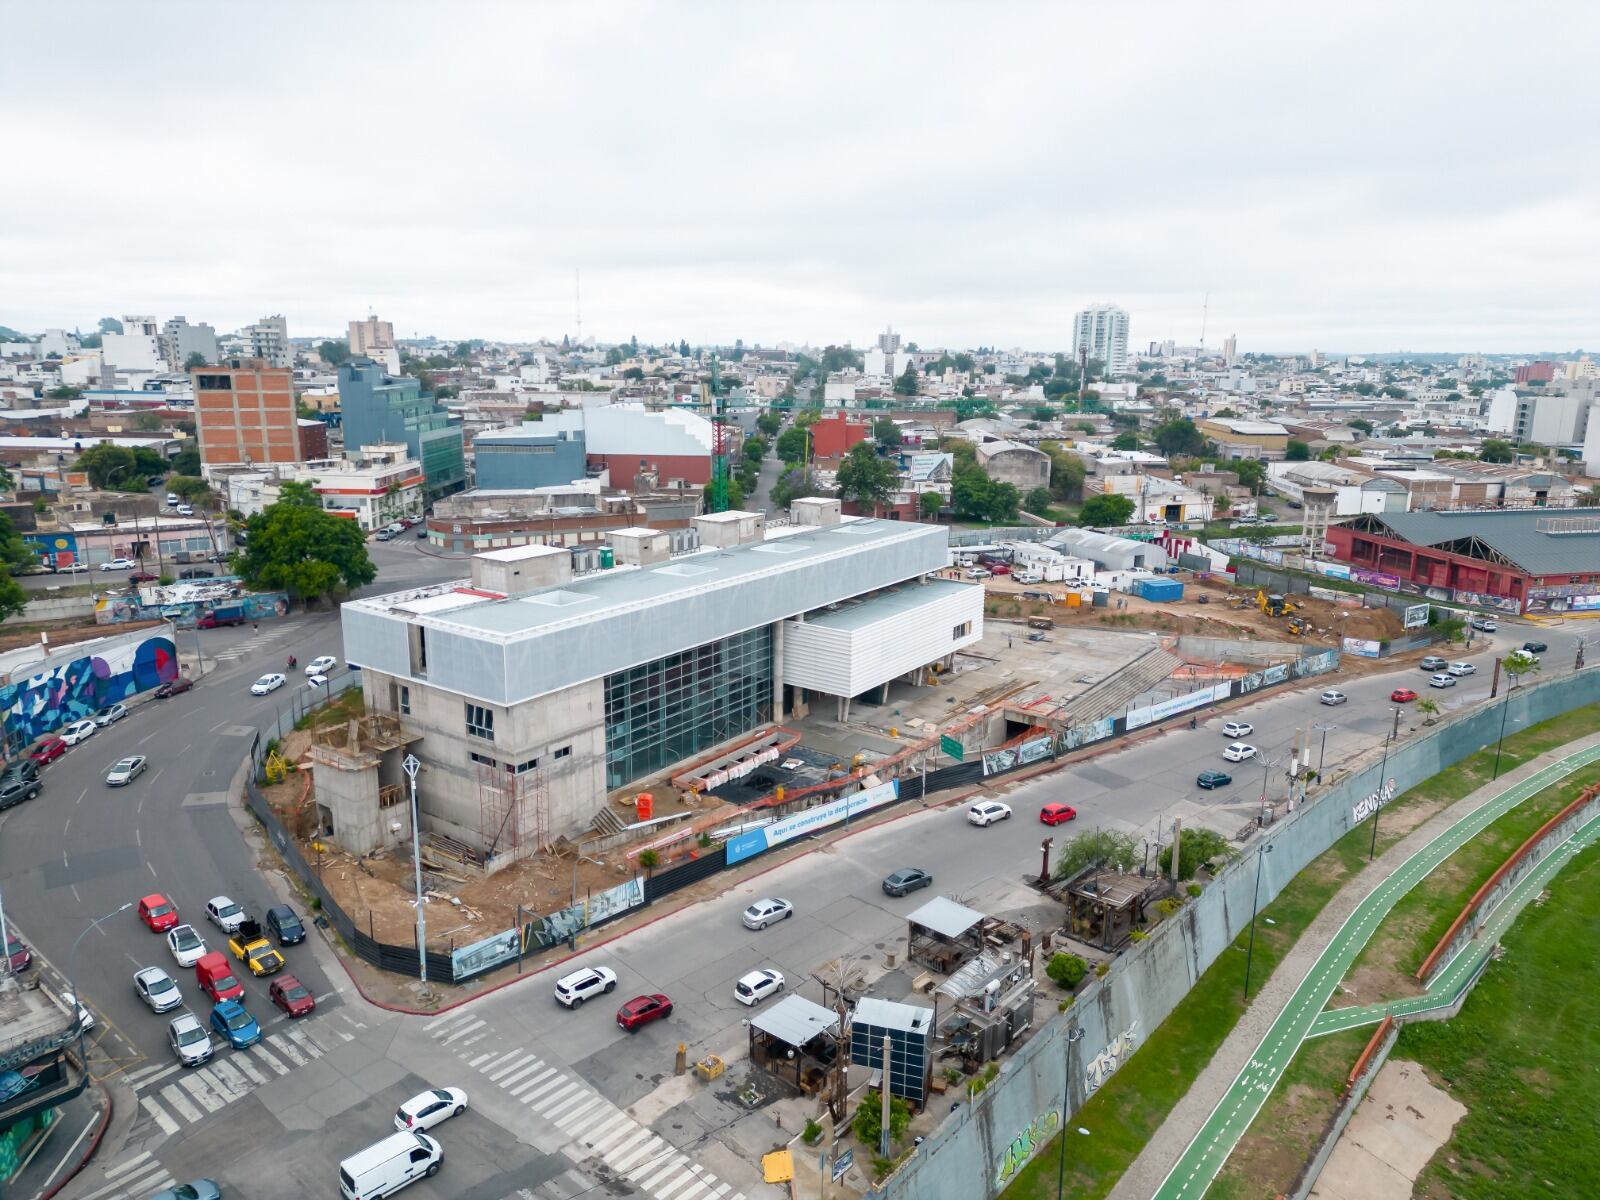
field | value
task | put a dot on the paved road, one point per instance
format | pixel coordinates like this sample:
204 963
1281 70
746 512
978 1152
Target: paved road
1200 1163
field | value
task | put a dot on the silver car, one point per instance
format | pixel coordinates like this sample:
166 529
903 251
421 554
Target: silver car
189 1040
764 912
155 988
125 770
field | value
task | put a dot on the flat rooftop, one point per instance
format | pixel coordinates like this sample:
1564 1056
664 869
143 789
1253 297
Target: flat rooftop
859 614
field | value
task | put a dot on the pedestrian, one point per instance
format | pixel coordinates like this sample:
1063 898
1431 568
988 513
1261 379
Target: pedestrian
255 626
1008 641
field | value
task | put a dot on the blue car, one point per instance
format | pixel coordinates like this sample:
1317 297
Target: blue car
232 1021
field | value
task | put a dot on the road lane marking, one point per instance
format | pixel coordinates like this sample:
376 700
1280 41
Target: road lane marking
200 1088
265 1056
535 1065
463 1031
174 1096
155 1073
287 1049
544 1107
303 1040
644 1153
65 829
496 1075
158 1115
572 1115
230 1080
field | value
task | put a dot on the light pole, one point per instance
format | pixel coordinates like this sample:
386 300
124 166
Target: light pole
1372 850
1505 707
1073 1038
411 766
77 1000
1266 771
1250 949
1323 753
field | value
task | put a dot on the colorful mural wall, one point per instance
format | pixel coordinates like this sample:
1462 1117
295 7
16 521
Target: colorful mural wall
73 682
254 606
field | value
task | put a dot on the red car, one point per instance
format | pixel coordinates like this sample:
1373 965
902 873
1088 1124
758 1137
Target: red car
21 957
641 1010
158 912
215 977
1057 814
142 577
1402 696
294 997
49 751
174 687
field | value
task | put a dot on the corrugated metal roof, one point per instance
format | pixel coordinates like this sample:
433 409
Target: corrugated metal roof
945 917
1514 533
886 1014
794 1020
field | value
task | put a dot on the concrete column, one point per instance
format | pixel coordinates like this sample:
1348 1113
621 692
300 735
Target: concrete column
777 670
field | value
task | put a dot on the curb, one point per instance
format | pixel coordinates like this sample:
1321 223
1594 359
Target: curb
94 1142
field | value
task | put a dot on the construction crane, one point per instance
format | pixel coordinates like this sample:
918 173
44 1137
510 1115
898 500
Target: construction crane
717 501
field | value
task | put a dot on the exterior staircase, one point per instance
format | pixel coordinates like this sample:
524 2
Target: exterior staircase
1111 697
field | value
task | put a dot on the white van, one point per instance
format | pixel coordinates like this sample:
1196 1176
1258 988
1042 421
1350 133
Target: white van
385 1167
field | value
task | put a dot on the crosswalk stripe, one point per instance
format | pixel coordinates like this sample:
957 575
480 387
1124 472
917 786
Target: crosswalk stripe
480 1060
122 1168
438 1021
523 1071
259 1051
638 1135
154 1074
662 1168
150 1175
243 1064
724 1188
582 1126
308 1040
174 1097
613 1130
502 1060
570 1118
501 1072
477 1037
697 1186
687 1177
642 1152
229 1080
202 1091
349 1020
158 1115
551 1102
536 1085
284 1047
462 1031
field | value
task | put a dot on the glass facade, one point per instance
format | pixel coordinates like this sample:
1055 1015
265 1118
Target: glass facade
674 708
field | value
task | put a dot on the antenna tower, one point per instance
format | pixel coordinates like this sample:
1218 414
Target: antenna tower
577 299
719 445
1205 312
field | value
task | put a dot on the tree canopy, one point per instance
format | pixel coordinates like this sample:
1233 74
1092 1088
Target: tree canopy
1126 440
187 460
1105 510
791 444
296 546
867 478
886 432
1296 451
334 353
794 484
973 494
1179 437
931 502
1199 847
905 383
1496 450
195 359
120 467
1108 848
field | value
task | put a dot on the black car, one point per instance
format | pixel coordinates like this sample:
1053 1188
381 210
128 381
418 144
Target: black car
15 791
285 925
907 880
1213 779
1535 647
197 573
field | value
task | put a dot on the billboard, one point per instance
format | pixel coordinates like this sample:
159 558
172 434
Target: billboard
1416 616
1365 647
812 820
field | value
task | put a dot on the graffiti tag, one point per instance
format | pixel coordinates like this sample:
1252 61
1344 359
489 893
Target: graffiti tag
1368 805
1026 1144
1104 1064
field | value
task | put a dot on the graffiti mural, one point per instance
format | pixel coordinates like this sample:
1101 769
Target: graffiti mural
254 606
73 688
1025 1145
1104 1064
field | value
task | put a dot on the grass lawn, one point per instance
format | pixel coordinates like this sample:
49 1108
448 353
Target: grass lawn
1126 1112
1522 1054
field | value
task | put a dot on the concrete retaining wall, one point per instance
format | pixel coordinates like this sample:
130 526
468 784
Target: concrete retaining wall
1388 1033
978 1149
59 608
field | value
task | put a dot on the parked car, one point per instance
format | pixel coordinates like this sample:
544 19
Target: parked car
321 664
189 1040
383 535
20 956
422 532
174 687
285 925
987 812
1535 647
1057 814
197 573
48 751
1213 779
1461 669
225 914
641 1010
186 510
156 988
572 990
1234 730
186 945
907 879
1483 624
766 911
119 564
86 1020
125 770
157 912
294 997
217 620
197 1189
24 769
14 789
1239 752
1402 696
977 573
234 1022
427 1109
78 731
1432 663
143 577
267 683
1442 680
1332 696
755 987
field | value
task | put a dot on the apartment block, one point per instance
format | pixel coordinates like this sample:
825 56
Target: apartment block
245 413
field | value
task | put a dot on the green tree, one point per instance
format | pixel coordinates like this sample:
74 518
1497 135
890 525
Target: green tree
755 449
1364 389
931 502
1179 437
1361 423
64 393
13 599
1252 473
769 423
1108 848
866 477
635 374
110 325
1126 440
1495 450
296 546
791 445
795 484
974 495
1037 500
1200 847
15 553
614 356
868 1121
1106 510
887 433
334 353
1296 451
1521 662
196 491
1393 392
1067 473
187 460
111 466
195 359
905 384
1066 970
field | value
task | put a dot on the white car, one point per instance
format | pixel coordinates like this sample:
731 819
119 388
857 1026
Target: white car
317 681
110 715
1239 751
1441 680
977 573
267 683
78 731
1458 669
224 914
186 945
321 665
1483 625
755 987
1234 730
125 770
186 510
189 1039
85 1017
427 1109
1333 697
988 812
155 988
572 990
764 912
119 564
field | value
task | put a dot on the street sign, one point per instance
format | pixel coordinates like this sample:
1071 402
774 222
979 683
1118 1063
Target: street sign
843 1163
952 747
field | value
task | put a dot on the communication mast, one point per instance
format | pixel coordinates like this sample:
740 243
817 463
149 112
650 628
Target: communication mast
718 500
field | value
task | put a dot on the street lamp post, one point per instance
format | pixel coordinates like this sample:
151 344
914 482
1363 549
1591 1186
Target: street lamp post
1505 707
77 1000
411 766
1255 902
1323 753
1372 850
1073 1038
1266 772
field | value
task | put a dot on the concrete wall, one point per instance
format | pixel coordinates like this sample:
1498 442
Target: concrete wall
977 1151
59 608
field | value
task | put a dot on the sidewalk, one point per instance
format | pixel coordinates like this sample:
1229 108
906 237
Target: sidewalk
1188 1117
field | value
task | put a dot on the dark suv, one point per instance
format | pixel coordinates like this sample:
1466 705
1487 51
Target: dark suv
285 925
14 789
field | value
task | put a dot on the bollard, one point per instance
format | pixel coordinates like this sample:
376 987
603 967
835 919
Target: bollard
683 1060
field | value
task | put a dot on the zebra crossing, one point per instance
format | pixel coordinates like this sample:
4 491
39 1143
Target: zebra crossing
137 1175
597 1128
172 1096
251 645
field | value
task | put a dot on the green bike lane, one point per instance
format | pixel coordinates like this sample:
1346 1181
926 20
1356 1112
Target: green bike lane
1209 1150
1448 986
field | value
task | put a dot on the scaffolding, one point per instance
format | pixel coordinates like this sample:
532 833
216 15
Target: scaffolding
515 810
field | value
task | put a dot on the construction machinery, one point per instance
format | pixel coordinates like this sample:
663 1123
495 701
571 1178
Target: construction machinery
1275 605
1299 626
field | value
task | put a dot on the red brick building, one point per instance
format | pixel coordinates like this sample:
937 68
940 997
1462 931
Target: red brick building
1541 372
245 413
832 437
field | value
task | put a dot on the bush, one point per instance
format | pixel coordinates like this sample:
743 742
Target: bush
881 1166
1138 935
166 581
868 1121
1101 970
1168 906
1063 1005
1103 847
1200 847
1194 890
952 1075
649 860
1066 970
812 1133
705 841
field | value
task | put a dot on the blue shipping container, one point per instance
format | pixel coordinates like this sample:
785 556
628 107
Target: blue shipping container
1158 589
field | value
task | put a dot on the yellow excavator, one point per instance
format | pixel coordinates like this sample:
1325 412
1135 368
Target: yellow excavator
1275 605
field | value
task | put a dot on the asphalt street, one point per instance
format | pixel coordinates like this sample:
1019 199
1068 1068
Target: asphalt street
592 1106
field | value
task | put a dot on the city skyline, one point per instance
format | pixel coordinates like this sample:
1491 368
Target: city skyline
954 187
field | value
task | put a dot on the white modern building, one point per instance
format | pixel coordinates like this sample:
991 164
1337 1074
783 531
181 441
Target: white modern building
530 693
269 339
1103 330
179 340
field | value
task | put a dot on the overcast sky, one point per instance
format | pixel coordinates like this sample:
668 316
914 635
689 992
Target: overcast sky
1347 177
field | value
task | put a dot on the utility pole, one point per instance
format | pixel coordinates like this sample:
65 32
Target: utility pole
883 1134
1372 850
1177 842
1073 1039
1255 902
411 766
1323 753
